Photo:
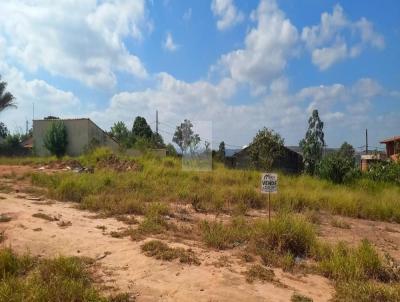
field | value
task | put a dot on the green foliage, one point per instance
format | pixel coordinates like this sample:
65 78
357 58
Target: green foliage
171 151
3 130
367 292
339 167
286 233
221 151
56 139
185 138
259 272
266 147
345 264
300 298
385 172
313 143
11 145
141 129
121 133
6 98
62 279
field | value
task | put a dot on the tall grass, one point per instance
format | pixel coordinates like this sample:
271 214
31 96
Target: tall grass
62 279
220 190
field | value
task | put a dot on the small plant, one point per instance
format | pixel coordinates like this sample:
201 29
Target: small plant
300 298
64 224
4 218
56 140
162 251
259 272
45 217
101 227
337 223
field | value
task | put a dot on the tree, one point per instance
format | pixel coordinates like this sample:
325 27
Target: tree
6 98
121 133
157 141
141 128
51 117
3 130
347 151
56 139
266 147
340 166
185 138
313 143
221 151
171 151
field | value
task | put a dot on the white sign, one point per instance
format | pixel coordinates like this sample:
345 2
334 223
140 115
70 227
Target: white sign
269 183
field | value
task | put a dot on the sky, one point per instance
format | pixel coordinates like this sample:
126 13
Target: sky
236 65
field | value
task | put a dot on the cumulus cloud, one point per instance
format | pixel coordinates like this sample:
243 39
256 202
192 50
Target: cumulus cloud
82 40
227 14
169 43
48 99
267 48
329 42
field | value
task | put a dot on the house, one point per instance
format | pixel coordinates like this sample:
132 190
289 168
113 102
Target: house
392 147
82 133
289 162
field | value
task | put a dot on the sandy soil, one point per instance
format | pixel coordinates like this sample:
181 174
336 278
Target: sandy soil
122 266
125 268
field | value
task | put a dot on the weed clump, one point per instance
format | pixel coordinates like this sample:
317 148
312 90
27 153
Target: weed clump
63 279
300 298
259 272
44 216
4 218
162 251
285 234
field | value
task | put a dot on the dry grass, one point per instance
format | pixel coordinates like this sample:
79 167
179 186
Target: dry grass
4 218
162 251
259 272
45 217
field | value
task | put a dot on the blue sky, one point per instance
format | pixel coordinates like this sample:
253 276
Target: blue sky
240 65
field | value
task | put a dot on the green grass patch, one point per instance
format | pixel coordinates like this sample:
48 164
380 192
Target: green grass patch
300 298
62 279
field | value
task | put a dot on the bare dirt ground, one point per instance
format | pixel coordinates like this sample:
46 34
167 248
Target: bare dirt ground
122 267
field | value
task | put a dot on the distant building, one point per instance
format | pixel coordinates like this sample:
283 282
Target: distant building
82 133
392 147
289 162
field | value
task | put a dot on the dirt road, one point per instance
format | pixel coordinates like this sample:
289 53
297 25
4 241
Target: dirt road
124 268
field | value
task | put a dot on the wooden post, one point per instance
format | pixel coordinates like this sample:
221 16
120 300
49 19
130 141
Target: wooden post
269 206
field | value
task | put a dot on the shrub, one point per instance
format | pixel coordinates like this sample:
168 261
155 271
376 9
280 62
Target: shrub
385 172
286 233
337 168
56 140
367 292
345 264
259 272
222 236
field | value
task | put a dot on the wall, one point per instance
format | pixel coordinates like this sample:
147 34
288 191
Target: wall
77 131
81 133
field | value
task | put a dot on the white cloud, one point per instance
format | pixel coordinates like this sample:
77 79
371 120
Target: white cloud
267 48
227 13
48 99
187 15
82 40
169 43
329 42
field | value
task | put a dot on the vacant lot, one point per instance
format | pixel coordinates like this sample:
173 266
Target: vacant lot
162 234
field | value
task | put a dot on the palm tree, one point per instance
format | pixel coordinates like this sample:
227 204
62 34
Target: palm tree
6 98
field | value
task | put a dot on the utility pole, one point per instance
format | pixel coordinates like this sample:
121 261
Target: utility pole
157 121
366 141
26 132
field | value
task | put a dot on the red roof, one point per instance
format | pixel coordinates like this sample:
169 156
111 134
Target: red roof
392 139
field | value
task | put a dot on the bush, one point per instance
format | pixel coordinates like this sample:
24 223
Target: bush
284 234
344 264
56 140
385 172
337 168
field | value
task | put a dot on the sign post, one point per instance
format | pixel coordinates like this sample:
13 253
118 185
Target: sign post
269 184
